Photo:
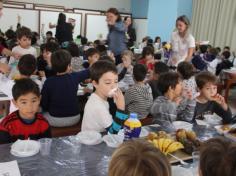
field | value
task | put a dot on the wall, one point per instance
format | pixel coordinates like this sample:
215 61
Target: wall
139 8
122 5
185 8
162 15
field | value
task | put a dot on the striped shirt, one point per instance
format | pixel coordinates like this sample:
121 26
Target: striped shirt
138 99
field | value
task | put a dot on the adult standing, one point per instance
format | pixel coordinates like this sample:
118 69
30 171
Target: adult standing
64 30
182 41
130 34
116 36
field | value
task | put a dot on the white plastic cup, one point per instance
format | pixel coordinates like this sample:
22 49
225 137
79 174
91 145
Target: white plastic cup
45 146
195 165
76 145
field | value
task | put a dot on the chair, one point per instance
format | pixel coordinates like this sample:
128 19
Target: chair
66 131
228 84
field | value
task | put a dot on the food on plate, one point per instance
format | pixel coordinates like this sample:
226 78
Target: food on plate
157 135
225 127
167 145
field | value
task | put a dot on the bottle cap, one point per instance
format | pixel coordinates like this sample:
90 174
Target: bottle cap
133 115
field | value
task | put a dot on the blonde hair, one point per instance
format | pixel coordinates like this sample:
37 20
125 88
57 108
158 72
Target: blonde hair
128 53
138 158
186 21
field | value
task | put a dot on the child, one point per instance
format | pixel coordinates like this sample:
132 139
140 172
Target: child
26 67
44 66
186 71
225 64
92 54
126 67
209 101
171 106
96 113
25 123
159 68
138 158
199 60
24 36
76 61
148 57
138 98
59 101
217 157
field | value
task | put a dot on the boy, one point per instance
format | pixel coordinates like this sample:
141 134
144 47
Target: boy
171 106
209 101
24 36
96 113
138 98
43 63
26 122
59 93
148 57
26 67
225 64
159 68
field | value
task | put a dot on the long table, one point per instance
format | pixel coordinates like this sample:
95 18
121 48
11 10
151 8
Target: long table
63 161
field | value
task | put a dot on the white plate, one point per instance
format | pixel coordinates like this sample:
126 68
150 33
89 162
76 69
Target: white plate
144 133
89 137
182 125
180 171
219 129
213 119
115 142
25 148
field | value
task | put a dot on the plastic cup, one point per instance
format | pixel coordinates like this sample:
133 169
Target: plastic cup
45 146
195 165
76 145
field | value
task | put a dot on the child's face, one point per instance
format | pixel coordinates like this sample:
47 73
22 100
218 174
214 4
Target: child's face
106 83
126 60
48 36
47 54
208 91
94 58
178 90
24 42
149 57
28 105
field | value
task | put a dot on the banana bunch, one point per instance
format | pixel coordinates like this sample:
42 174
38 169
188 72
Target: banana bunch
166 145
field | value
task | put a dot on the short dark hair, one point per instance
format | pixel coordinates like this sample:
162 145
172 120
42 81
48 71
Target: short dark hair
203 48
60 60
10 34
226 54
115 12
218 49
147 51
167 80
160 67
157 56
49 33
217 157
51 47
139 72
227 48
205 77
73 49
185 69
24 86
27 65
90 52
23 31
157 38
101 67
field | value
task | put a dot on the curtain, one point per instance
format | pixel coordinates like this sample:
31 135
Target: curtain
215 20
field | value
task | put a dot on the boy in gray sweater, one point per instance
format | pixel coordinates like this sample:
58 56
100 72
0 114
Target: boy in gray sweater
172 105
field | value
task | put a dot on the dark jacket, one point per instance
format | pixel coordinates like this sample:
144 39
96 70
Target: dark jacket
64 33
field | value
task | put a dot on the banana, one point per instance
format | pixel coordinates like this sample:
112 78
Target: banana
166 143
155 143
174 146
160 143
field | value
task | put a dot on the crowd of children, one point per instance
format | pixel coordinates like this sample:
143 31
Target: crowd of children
47 83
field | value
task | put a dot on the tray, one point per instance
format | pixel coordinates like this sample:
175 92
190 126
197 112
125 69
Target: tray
180 154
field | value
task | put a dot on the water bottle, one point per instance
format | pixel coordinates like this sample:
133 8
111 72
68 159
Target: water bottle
132 127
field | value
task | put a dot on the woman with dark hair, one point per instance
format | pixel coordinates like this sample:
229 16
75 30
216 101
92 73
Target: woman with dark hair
182 41
130 34
63 29
116 36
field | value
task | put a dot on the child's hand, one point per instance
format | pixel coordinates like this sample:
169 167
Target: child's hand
178 100
187 93
16 55
221 101
119 100
127 63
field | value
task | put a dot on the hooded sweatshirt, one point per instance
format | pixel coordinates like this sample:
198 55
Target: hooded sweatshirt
138 99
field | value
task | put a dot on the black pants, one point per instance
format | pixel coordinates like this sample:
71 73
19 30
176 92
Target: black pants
118 59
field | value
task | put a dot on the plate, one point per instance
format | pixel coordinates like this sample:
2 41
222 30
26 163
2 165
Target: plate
220 130
182 125
113 140
89 137
25 148
213 119
144 133
180 171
